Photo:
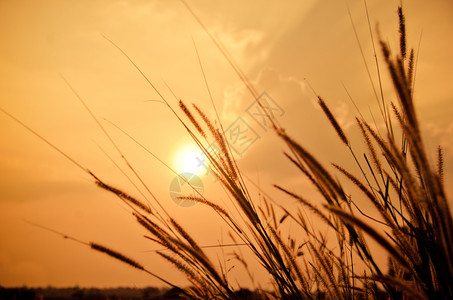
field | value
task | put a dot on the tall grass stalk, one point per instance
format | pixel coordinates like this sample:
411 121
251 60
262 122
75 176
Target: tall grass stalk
414 224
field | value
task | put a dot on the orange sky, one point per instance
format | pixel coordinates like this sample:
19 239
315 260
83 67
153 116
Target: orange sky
277 44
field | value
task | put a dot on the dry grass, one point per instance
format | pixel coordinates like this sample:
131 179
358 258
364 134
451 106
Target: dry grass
414 225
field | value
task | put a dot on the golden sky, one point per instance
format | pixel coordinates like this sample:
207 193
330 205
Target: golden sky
278 44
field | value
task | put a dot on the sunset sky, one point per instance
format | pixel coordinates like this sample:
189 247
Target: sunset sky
279 45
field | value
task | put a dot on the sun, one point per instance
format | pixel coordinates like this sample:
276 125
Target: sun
189 159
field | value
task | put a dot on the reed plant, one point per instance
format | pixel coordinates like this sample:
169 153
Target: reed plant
414 223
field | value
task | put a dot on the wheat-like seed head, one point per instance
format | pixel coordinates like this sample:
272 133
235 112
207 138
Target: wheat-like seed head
191 118
116 255
402 29
123 196
333 121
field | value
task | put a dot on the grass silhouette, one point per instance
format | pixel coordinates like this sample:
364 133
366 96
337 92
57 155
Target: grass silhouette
414 226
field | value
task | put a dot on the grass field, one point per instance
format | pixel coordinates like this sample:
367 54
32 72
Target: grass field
394 199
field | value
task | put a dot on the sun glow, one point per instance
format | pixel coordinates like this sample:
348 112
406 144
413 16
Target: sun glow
189 159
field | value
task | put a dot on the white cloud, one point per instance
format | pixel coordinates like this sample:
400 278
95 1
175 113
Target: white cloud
438 135
447 138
